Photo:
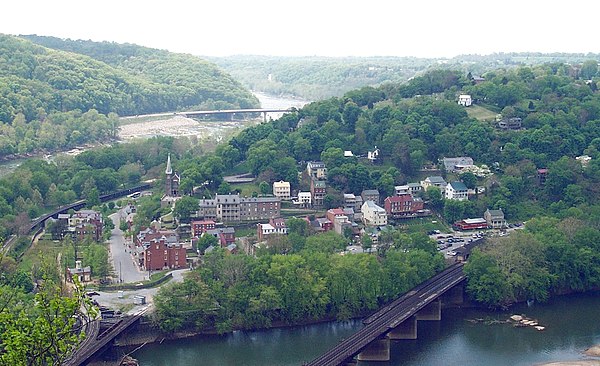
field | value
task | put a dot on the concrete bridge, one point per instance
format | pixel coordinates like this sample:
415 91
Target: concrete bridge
229 113
98 334
397 320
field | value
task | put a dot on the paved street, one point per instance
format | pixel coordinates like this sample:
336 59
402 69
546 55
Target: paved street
112 300
123 262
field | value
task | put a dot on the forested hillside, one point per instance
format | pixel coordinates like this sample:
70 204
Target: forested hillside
187 81
315 78
52 99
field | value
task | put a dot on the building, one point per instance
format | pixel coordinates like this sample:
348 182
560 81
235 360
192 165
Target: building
457 164
373 155
494 218
316 169
159 250
542 174
373 215
412 188
370 195
471 224
305 199
172 180
434 181
274 227
226 235
513 123
584 160
82 224
159 254
465 100
404 206
456 191
333 213
318 189
281 189
83 274
207 209
233 208
200 227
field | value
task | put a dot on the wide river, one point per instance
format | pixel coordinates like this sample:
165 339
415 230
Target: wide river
572 325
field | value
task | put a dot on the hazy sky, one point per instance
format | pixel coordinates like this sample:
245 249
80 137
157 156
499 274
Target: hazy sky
423 28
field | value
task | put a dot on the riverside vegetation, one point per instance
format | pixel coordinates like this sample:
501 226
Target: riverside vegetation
300 277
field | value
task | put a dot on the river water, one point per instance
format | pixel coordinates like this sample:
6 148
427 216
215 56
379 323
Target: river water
572 325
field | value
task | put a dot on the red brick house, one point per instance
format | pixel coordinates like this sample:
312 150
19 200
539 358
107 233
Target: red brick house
158 250
200 227
159 255
402 205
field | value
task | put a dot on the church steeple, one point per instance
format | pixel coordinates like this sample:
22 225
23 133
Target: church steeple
169 170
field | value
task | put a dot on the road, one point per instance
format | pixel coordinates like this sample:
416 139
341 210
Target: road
125 269
117 300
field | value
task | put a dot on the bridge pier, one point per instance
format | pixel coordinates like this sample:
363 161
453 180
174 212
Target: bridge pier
454 296
406 330
431 311
378 350
264 116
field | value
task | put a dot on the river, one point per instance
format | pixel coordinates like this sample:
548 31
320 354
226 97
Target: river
572 325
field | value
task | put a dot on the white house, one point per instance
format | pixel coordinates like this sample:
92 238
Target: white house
373 215
456 191
434 181
304 199
281 189
316 169
373 155
465 100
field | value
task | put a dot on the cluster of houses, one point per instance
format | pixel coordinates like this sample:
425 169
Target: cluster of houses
81 224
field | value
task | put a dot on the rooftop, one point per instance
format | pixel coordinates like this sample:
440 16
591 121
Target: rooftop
458 186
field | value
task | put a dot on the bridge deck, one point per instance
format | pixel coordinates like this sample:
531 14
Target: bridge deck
94 342
392 315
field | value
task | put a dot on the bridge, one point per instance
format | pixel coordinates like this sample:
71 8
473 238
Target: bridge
396 320
230 113
37 225
98 334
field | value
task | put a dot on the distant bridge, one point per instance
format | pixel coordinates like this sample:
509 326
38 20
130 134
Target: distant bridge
230 113
397 320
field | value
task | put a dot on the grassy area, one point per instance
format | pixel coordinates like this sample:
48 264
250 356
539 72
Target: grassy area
246 188
481 114
157 275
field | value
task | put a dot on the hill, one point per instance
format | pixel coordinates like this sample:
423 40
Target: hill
317 78
52 98
186 81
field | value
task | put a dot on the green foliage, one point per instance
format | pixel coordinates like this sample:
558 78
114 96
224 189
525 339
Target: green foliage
41 330
185 208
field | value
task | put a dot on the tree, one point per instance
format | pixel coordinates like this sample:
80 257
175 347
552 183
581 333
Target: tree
589 69
264 188
469 179
205 241
185 208
224 188
487 284
45 331
366 242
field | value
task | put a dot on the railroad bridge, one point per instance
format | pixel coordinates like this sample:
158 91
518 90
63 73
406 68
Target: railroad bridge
99 334
397 320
